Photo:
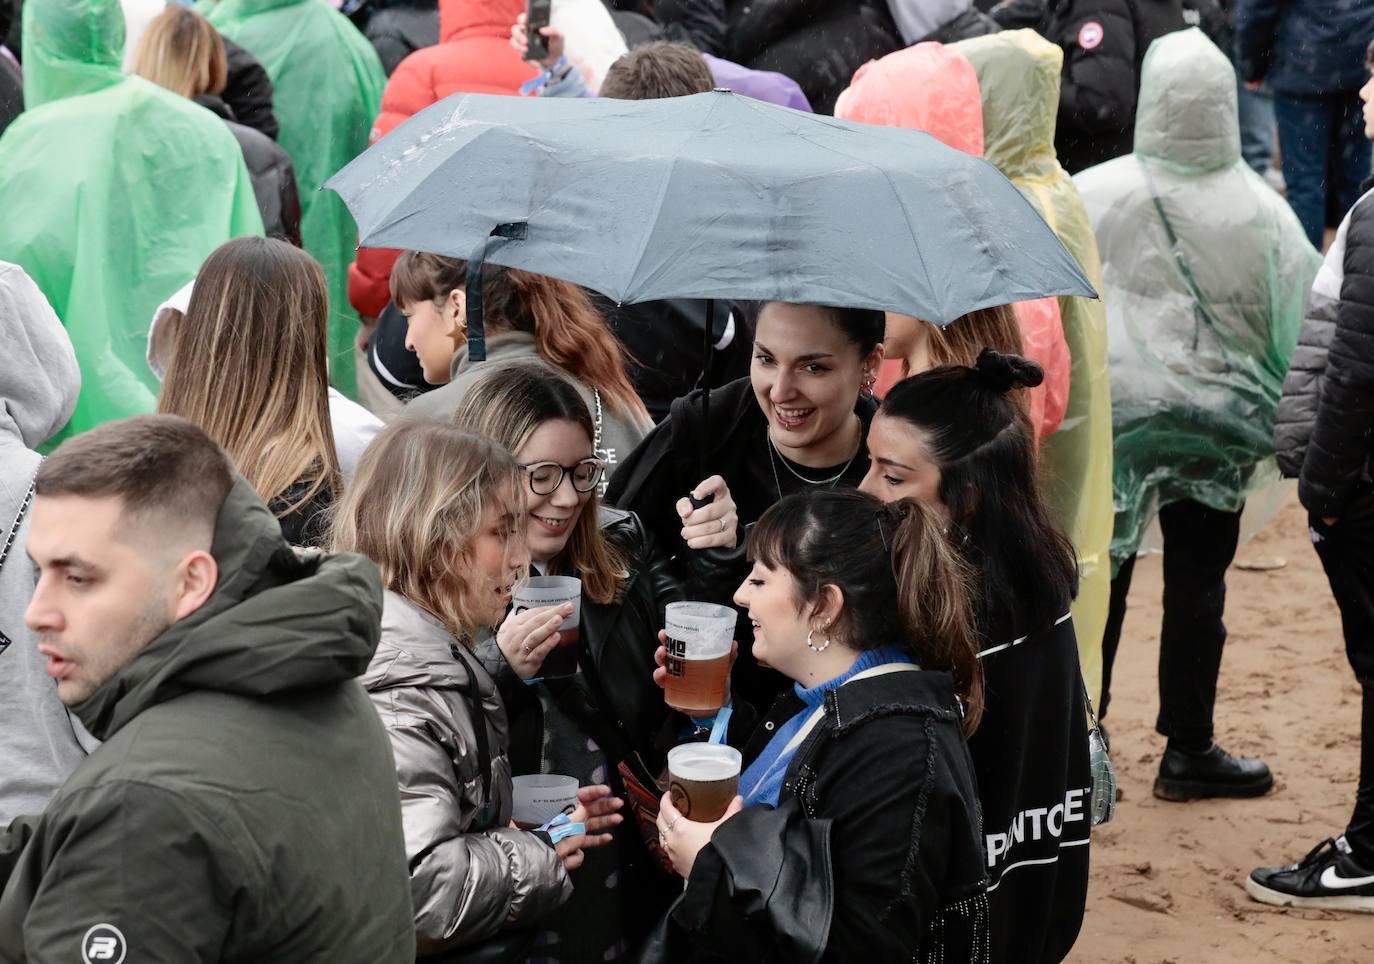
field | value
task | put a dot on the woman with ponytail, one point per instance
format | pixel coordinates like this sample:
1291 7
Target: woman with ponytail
857 837
528 317
955 439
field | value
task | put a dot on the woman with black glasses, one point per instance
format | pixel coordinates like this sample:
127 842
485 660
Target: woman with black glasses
610 713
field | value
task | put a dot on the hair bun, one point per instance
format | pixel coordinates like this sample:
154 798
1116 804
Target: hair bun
1002 372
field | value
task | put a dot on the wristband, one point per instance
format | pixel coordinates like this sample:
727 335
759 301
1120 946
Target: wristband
560 828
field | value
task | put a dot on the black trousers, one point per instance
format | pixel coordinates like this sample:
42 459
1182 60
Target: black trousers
1346 550
1199 545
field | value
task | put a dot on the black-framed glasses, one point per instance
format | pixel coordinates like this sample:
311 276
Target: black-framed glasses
546 477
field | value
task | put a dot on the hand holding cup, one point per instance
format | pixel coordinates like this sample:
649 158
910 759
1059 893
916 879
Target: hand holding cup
526 637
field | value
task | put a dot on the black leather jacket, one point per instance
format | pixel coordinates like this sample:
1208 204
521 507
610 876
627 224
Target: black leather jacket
873 853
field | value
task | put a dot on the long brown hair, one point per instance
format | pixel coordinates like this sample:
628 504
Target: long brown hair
416 506
962 340
183 52
249 366
902 581
509 403
568 331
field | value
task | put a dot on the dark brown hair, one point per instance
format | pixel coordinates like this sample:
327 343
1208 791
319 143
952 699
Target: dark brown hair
902 582
973 431
658 69
568 331
157 465
1369 56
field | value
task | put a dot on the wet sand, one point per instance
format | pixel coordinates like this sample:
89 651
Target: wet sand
1168 878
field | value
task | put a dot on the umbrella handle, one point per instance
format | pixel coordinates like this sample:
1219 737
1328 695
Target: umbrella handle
708 352
477 332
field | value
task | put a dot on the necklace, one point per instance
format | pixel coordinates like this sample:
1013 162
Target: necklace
774 455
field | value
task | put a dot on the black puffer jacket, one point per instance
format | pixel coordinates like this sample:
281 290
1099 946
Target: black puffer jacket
248 91
881 795
398 30
1325 421
269 168
818 43
700 23
1104 43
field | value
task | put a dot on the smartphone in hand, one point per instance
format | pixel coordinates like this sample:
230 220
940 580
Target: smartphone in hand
537 14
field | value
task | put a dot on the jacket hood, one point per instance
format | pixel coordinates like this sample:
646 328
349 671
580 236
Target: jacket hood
277 622
40 380
1187 115
415 651
1018 74
459 19
71 47
928 87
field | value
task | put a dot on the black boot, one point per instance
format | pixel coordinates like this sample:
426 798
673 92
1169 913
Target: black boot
1209 773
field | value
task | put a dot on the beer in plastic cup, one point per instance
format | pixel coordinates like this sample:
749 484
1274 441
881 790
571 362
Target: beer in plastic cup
537 592
538 798
702 779
698 661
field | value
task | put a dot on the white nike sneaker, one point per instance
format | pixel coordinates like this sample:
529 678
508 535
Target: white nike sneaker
1327 878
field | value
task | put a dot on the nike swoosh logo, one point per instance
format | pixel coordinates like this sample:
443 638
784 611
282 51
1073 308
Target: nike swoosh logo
1335 881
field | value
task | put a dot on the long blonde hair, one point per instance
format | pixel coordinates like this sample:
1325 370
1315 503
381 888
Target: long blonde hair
183 52
568 331
509 403
249 366
416 506
963 339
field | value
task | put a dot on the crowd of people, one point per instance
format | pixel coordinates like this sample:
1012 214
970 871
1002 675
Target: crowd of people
272 687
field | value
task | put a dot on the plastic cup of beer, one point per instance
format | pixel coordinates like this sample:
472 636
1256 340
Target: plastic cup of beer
698 662
702 779
539 591
540 797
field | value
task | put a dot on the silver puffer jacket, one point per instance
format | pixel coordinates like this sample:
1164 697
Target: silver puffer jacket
471 874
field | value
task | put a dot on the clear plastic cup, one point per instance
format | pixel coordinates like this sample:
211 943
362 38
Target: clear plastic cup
537 592
698 662
540 797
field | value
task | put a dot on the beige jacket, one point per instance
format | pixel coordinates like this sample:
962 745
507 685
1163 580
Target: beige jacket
471 874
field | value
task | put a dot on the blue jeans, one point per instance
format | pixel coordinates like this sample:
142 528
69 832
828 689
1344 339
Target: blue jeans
1256 127
1325 155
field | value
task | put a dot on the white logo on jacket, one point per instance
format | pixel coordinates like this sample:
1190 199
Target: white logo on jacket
1039 823
103 944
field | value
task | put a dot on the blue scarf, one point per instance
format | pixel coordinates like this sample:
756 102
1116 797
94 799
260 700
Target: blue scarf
762 781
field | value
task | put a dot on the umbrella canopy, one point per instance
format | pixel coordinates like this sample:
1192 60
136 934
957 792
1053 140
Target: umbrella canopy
708 196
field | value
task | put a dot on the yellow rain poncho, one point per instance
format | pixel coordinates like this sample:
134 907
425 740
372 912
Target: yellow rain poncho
327 87
112 193
1018 74
1200 332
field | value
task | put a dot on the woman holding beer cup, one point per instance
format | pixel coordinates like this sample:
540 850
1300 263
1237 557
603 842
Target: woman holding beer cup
440 511
954 438
610 711
860 769
797 423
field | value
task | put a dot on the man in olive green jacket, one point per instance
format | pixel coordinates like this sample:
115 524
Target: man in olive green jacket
244 806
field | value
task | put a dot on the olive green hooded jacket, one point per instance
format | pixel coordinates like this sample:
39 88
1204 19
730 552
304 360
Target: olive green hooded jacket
243 807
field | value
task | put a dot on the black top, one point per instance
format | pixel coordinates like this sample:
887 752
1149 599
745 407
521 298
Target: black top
1030 754
308 525
666 466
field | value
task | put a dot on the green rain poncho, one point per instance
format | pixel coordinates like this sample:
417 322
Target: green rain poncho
112 193
1200 334
1018 73
327 88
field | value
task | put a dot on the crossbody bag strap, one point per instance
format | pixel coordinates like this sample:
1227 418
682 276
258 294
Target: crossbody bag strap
819 712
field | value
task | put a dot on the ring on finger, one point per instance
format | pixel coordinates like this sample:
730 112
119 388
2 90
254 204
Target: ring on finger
525 648
722 525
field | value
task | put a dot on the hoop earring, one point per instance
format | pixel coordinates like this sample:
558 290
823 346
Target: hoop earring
813 647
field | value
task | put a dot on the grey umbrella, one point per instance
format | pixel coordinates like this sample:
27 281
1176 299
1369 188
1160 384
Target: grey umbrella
709 196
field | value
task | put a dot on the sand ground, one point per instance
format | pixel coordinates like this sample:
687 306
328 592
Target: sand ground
1167 878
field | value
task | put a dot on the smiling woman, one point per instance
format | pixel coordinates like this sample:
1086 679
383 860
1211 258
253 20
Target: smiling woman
797 423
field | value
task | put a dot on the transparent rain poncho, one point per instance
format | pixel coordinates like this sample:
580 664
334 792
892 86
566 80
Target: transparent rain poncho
1206 274
327 91
1018 73
112 193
